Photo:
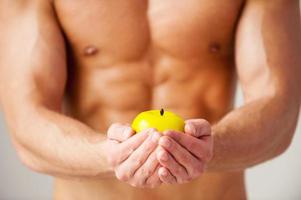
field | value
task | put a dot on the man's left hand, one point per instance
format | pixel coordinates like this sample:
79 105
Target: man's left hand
183 156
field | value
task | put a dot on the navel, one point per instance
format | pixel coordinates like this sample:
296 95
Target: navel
90 50
214 47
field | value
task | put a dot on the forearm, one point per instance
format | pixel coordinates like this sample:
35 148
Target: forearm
254 133
52 143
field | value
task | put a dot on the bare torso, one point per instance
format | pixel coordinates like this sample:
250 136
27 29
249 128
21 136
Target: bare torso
130 56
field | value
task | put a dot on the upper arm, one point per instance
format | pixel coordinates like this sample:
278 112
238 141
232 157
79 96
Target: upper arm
32 54
268 49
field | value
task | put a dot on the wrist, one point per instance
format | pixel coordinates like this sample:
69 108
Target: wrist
103 168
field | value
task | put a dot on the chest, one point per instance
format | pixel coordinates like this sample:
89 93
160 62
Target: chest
127 29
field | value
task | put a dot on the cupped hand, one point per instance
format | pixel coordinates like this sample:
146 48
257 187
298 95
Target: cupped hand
183 156
133 156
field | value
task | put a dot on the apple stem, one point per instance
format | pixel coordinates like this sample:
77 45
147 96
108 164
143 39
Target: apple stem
162 112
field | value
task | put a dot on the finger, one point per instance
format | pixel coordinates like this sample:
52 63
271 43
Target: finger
202 149
126 148
167 161
197 127
120 132
182 156
139 156
154 180
165 176
147 169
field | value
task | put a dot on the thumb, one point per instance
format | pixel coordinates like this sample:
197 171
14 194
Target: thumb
120 132
197 127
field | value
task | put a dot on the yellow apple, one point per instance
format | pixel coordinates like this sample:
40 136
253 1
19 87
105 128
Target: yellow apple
159 119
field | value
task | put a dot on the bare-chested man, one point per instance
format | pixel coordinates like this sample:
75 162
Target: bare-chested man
108 60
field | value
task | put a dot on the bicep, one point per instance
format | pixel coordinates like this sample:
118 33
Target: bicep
32 64
268 48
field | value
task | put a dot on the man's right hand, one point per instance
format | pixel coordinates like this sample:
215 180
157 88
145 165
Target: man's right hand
133 156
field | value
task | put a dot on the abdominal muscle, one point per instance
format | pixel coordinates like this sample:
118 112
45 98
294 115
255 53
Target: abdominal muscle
99 96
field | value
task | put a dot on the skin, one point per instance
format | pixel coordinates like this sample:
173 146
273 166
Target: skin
68 92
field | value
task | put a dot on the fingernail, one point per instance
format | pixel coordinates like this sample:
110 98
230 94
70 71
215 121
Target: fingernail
155 137
191 128
163 156
166 143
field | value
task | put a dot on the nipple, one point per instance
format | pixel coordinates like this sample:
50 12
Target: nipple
214 47
90 50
